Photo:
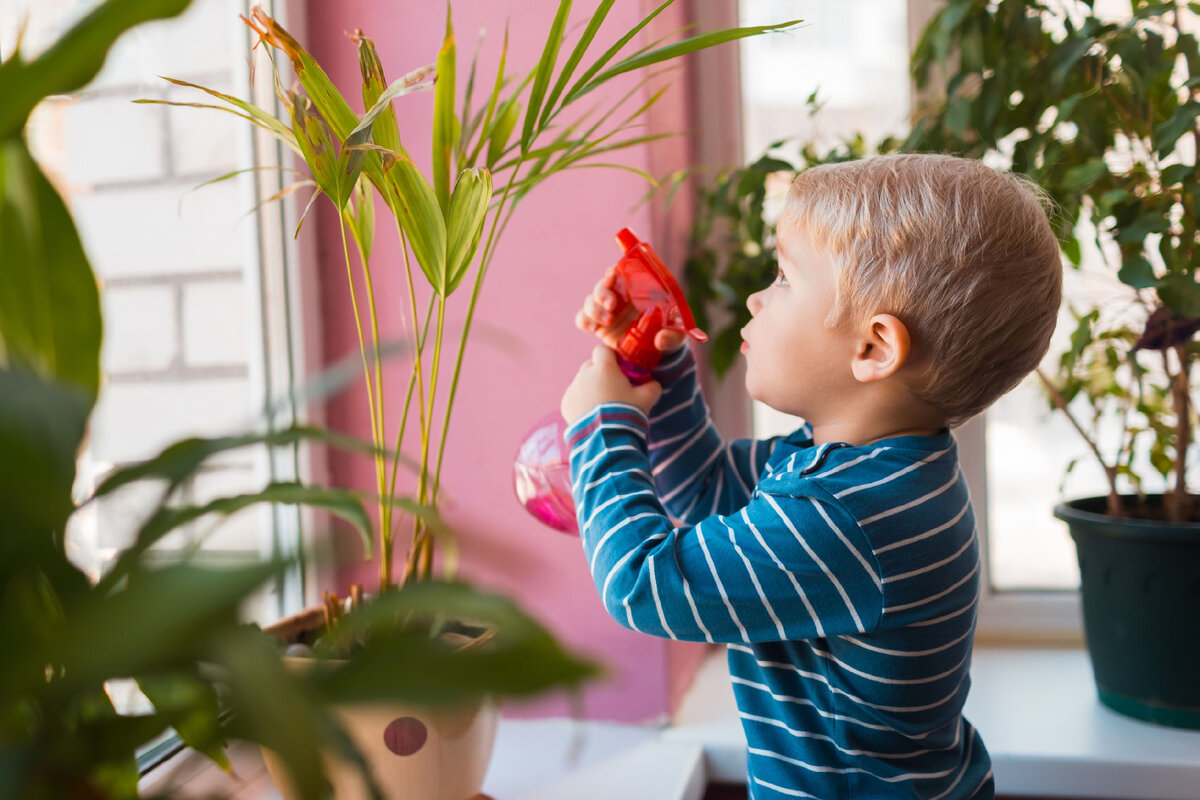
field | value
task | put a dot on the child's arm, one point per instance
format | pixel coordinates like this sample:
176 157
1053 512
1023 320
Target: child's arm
780 568
696 472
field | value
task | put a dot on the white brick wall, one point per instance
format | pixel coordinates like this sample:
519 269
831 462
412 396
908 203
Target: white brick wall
201 140
134 419
110 139
140 328
161 228
214 323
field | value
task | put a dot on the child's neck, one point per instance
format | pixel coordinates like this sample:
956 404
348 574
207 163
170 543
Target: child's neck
870 424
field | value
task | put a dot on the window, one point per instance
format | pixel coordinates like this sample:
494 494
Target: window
854 54
198 301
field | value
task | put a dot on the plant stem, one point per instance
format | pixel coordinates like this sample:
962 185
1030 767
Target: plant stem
386 578
1180 507
484 261
376 412
1114 507
378 421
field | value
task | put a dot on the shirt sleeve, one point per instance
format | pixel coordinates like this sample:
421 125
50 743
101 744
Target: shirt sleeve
696 472
779 568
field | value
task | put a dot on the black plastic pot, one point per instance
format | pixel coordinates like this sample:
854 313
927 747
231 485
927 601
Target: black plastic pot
1141 610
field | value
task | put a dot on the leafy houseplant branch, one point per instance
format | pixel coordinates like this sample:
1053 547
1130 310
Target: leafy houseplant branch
1114 507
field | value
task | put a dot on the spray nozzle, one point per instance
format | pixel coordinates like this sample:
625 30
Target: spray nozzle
645 282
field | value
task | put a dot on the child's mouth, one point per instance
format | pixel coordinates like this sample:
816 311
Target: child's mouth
745 346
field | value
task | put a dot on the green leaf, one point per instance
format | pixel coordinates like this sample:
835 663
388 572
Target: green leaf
278 710
445 137
253 113
319 149
360 216
381 111
161 619
464 227
545 69
385 131
573 60
1177 173
506 120
74 59
1180 291
419 214
42 426
189 705
1082 336
689 45
181 459
485 127
322 92
1084 175
1137 272
519 658
1182 121
1144 225
576 88
49 301
339 502
1071 249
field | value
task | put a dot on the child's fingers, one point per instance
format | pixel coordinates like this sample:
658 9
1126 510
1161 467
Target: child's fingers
598 310
585 323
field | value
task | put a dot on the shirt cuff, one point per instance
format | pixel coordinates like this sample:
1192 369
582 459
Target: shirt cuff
673 366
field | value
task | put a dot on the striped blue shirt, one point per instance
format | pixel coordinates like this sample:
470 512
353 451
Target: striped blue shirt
843 578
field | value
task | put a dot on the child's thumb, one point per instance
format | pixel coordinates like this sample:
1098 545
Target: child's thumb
647 394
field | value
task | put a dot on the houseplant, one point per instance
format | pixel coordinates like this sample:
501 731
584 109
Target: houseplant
491 148
172 628
1102 114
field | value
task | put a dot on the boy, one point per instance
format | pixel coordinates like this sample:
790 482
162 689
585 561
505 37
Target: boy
840 562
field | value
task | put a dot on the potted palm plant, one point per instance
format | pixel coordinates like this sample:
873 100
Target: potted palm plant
1102 114
174 629
491 148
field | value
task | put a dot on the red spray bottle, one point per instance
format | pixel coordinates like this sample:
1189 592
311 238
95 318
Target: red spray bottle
541 473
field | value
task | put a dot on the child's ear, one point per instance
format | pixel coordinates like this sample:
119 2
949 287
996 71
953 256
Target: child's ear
882 350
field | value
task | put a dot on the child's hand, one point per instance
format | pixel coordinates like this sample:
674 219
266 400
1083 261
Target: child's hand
605 314
600 380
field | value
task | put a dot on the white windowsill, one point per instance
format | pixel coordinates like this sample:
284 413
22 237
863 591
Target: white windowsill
1035 708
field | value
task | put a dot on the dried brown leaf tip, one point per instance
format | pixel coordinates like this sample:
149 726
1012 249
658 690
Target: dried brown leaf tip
1165 328
272 33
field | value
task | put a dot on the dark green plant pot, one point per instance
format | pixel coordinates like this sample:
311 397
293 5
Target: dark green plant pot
1141 610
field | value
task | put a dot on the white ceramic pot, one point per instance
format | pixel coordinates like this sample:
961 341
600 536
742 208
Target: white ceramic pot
414 753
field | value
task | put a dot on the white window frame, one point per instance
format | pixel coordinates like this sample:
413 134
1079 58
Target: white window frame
283 274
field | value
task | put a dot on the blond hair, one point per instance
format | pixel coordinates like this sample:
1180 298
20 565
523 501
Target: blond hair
961 253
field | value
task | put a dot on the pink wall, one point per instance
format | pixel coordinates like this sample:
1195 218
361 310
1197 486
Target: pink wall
524 348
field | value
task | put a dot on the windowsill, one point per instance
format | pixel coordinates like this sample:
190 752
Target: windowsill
1035 708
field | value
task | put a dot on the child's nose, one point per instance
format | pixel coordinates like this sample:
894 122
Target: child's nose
754 303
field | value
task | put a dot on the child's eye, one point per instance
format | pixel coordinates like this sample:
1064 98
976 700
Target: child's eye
780 278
